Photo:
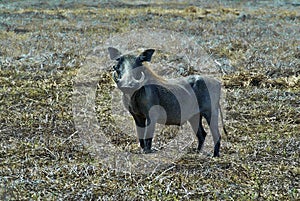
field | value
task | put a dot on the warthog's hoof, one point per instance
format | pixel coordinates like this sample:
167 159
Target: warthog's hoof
216 155
146 145
149 151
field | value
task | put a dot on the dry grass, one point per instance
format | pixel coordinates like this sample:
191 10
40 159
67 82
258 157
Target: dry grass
43 45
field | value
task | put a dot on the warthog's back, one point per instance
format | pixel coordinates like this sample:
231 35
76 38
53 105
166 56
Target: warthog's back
179 99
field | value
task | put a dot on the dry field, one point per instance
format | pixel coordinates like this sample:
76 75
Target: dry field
43 46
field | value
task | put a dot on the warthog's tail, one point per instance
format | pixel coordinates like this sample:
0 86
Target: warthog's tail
222 119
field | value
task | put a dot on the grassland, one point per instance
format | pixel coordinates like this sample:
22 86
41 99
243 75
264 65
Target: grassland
42 48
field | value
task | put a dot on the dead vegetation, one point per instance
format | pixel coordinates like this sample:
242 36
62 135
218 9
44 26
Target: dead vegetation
43 45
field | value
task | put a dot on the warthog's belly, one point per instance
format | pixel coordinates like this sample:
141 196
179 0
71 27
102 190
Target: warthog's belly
170 121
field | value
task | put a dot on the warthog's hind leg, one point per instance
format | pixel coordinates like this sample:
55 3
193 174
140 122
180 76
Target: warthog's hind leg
213 124
196 123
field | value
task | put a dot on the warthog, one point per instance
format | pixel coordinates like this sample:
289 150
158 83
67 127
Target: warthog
152 99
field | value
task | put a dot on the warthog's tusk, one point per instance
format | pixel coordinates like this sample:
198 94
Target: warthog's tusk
141 79
115 78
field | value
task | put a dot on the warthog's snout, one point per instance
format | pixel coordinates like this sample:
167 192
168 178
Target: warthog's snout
128 84
152 99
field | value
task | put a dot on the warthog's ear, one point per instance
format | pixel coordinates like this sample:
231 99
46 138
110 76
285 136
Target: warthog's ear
114 53
146 55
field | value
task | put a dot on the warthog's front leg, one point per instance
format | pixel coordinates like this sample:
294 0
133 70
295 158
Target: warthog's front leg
145 135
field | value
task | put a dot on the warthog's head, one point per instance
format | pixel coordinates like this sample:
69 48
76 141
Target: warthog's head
128 72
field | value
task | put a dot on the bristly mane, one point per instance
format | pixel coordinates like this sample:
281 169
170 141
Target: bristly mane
154 74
